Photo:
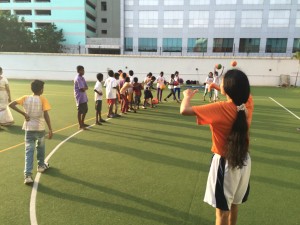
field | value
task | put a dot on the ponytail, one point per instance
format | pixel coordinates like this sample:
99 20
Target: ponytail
236 85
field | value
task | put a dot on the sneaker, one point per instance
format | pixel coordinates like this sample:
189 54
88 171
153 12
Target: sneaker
98 123
144 107
28 180
102 121
42 168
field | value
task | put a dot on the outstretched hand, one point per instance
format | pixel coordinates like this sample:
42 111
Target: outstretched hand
189 93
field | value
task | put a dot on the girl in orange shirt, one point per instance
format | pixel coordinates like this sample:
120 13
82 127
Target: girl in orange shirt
229 121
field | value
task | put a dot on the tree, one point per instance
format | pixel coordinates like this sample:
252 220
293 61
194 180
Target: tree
16 37
48 39
297 56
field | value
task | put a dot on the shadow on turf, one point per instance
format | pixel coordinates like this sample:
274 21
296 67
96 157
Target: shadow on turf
176 216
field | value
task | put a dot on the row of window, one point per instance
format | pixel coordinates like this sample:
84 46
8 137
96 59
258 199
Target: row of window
207 2
175 19
246 45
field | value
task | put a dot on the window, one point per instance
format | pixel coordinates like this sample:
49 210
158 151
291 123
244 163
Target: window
103 6
297 19
103 20
148 2
148 19
90 4
128 18
90 28
199 2
224 18
172 45
279 18
173 19
103 31
251 18
5 12
23 12
41 25
253 2
197 45
249 45
223 45
276 45
225 2
198 19
4 1
280 2
42 0
128 43
173 2
90 16
43 12
129 2
22 0
147 45
296 45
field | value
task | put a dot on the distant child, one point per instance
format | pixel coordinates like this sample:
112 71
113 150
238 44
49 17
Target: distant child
130 90
208 81
80 88
160 85
118 97
217 82
147 92
137 89
111 93
98 99
124 93
35 111
177 85
171 87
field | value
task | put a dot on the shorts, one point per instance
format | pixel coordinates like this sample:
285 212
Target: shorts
147 94
111 101
98 105
226 186
82 108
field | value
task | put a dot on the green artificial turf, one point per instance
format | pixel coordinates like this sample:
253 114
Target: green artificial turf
150 167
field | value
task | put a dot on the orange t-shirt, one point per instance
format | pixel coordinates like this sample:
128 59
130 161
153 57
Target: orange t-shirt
220 117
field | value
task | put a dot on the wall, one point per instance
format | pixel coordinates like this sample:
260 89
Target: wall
261 71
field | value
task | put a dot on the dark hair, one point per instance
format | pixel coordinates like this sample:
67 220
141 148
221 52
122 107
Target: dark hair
127 79
237 87
135 79
176 73
153 78
100 77
161 73
149 74
110 73
124 75
79 68
130 72
37 86
117 75
172 75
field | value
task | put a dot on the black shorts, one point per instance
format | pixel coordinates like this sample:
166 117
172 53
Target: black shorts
147 94
98 105
82 108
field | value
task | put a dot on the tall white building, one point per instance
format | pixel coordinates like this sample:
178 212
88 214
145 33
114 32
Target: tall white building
210 27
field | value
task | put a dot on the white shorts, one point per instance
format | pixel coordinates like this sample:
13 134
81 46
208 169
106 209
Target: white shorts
226 186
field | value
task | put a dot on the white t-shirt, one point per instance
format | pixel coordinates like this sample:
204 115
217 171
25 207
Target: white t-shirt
98 87
208 81
160 81
177 79
110 85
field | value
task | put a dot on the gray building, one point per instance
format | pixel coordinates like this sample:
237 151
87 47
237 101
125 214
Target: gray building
210 27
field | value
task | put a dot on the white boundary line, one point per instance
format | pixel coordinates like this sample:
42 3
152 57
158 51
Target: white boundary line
32 205
285 108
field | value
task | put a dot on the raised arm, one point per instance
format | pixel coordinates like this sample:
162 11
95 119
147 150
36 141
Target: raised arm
185 107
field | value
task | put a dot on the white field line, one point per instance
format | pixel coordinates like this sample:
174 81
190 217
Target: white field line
285 108
32 206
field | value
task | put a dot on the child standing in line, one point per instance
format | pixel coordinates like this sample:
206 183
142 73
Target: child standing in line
147 92
177 85
35 111
123 92
160 84
217 82
118 97
137 89
208 81
130 90
111 93
171 87
98 99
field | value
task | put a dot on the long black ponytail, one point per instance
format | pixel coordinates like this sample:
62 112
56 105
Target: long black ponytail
237 87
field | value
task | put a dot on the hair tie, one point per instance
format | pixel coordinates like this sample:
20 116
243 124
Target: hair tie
241 107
